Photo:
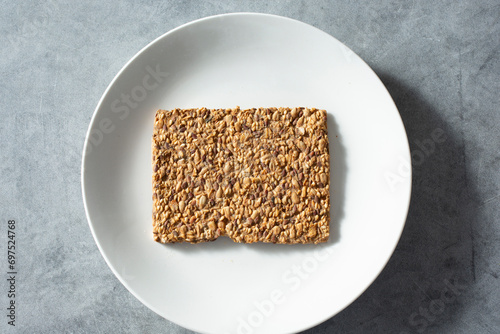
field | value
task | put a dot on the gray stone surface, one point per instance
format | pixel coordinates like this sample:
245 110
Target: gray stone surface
438 59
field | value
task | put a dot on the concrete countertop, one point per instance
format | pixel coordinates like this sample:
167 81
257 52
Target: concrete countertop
440 62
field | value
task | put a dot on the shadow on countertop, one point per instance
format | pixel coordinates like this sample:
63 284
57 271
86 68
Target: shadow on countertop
434 262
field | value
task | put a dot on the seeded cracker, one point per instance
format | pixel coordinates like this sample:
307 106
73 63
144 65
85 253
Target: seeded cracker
252 175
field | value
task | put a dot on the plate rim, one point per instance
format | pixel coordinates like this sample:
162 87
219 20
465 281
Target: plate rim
193 22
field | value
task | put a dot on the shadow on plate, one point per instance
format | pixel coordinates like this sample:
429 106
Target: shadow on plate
338 171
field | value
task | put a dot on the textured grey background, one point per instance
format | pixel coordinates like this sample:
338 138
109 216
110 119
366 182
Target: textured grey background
438 59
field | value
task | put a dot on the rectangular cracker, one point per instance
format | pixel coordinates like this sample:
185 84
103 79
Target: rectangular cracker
252 175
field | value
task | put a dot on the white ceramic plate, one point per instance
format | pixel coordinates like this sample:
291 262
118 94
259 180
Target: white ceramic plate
249 60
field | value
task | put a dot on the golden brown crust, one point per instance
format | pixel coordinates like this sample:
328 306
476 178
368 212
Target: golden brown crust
253 175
